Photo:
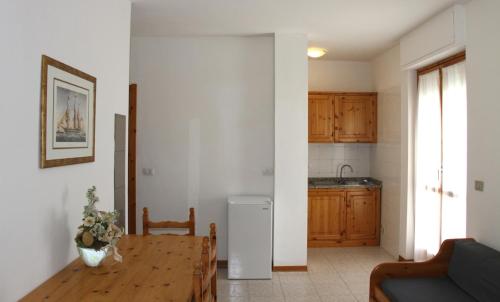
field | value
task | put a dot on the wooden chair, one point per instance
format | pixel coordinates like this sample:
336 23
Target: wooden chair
201 277
148 224
213 260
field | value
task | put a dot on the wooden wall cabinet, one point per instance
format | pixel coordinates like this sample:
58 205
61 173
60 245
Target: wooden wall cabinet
342 117
320 118
344 217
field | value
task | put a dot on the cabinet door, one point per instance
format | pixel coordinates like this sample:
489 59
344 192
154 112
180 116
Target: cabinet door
363 214
320 118
326 219
355 118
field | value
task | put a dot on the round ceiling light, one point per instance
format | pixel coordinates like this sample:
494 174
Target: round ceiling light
316 52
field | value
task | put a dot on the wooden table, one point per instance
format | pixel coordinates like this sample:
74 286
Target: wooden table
154 268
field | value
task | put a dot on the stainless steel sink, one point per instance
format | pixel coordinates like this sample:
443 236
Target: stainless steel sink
344 182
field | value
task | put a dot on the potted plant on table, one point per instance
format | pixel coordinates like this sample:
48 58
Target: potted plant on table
98 234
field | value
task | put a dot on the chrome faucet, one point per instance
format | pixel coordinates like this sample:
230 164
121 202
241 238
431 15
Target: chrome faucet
342 172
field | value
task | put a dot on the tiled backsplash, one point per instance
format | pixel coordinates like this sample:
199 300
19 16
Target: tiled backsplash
325 160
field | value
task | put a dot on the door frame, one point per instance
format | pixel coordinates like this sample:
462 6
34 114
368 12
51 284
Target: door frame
132 141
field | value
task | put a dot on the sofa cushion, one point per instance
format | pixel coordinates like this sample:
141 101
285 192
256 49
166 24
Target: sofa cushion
424 290
476 269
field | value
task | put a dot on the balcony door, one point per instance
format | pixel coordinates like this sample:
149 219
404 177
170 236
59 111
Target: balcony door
441 155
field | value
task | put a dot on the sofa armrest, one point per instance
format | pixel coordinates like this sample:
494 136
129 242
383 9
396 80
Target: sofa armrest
434 267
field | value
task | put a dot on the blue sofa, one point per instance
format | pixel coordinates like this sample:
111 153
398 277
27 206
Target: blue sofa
462 271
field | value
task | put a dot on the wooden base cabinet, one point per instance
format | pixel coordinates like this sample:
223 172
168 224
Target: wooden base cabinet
327 215
344 217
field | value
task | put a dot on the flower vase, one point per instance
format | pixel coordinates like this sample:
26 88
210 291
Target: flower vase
92 257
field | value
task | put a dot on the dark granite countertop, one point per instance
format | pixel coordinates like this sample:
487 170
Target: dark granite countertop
347 182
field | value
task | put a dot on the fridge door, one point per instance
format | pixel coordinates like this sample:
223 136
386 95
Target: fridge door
250 237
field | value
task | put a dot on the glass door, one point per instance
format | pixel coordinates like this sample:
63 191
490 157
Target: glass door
454 180
441 156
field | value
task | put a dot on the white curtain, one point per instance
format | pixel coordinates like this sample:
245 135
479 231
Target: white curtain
427 168
454 151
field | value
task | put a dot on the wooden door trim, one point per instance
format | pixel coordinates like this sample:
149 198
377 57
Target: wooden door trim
132 152
452 60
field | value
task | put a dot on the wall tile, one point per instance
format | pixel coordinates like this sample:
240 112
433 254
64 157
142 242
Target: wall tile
325 160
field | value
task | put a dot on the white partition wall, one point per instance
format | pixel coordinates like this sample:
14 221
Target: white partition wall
205 125
290 180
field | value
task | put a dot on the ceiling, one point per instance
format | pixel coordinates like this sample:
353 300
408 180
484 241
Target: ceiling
349 29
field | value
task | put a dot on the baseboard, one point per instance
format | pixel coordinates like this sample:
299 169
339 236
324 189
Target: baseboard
290 268
298 268
222 263
401 259
343 243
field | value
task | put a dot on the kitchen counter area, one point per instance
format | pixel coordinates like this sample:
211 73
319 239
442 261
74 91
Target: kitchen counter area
344 211
343 183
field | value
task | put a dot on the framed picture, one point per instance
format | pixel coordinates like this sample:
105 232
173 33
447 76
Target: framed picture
67 117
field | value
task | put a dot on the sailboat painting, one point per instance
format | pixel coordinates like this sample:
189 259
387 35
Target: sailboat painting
67 115
71 116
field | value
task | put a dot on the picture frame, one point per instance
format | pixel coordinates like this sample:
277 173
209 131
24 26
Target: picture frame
67 115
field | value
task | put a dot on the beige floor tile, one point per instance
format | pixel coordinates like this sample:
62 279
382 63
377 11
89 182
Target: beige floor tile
334 275
359 287
302 278
338 298
355 277
232 299
267 299
227 281
298 290
325 278
232 290
362 297
348 268
316 266
332 289
264 289
303 299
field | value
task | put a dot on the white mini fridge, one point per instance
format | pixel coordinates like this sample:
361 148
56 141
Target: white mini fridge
250 237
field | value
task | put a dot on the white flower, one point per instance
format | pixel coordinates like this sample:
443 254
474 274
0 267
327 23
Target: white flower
89 221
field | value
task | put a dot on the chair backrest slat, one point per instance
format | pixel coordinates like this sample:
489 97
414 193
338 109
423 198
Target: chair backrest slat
148 224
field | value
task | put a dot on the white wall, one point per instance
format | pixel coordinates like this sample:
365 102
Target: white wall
290 183
42 207
205 125
483 78
439 37
386 154
349 76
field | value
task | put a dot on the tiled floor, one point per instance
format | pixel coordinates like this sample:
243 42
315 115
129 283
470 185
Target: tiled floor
335 275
